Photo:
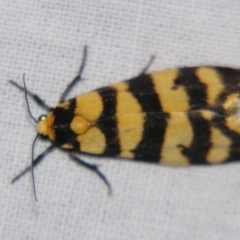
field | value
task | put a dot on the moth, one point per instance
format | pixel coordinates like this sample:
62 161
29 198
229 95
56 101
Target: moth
177 116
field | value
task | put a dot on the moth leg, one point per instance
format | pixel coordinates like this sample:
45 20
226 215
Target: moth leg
94 168
77 78
34 96
145 69
35 163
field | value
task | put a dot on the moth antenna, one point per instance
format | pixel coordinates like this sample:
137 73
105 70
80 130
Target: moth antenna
26 98
33 179
29 111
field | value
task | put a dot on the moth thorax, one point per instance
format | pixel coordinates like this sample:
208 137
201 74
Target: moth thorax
79 125
45 126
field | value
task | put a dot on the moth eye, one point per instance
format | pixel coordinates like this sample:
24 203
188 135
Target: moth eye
42 117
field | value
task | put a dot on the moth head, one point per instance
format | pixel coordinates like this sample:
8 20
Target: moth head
45 125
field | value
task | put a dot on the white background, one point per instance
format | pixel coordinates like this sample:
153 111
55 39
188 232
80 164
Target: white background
44 39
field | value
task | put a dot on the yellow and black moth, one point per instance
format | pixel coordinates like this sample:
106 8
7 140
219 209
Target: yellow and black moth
176 117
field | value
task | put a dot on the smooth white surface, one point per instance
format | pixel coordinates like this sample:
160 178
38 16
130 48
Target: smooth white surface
44 39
